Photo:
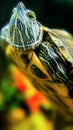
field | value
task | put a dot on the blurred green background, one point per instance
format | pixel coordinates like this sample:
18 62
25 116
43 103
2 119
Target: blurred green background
51 13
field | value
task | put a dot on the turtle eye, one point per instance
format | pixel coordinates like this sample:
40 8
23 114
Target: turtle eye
31 15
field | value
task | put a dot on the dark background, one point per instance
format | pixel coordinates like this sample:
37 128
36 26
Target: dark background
51 13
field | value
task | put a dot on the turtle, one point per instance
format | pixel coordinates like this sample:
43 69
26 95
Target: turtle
44 54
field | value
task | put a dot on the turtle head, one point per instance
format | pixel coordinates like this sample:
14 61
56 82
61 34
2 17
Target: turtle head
25 33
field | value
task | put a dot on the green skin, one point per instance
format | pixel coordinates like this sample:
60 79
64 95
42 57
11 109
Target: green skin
23 19
24 33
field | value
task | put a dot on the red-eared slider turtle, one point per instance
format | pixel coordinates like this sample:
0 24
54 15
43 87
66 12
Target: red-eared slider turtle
45 55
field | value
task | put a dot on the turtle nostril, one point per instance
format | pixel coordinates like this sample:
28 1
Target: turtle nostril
21 5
